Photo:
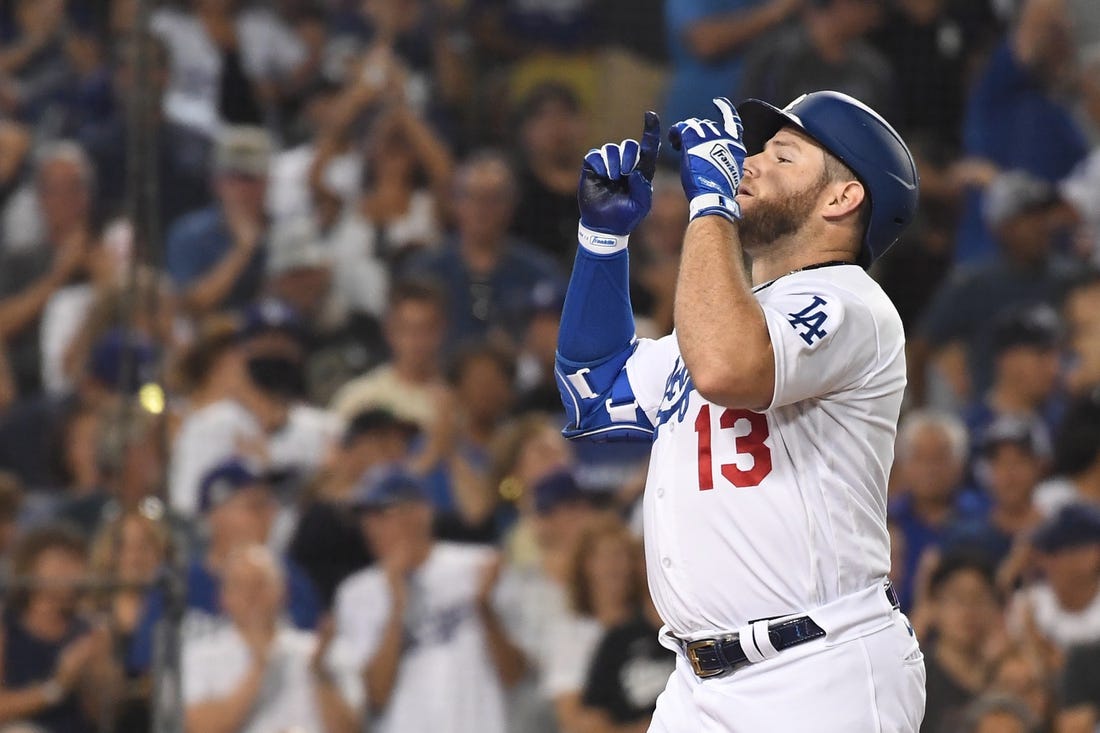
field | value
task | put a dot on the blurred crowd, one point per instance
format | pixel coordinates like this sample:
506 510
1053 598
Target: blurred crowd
279 294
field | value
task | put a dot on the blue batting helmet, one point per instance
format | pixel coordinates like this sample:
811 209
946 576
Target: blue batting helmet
865 142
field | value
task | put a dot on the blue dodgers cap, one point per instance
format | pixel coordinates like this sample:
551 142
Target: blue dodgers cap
386 487
224 480
123 360
270 315
1073 526
556 489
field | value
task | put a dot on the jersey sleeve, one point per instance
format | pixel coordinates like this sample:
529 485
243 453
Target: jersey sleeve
824 340
648 370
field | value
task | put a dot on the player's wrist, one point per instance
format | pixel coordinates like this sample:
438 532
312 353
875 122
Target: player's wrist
714 204
600 243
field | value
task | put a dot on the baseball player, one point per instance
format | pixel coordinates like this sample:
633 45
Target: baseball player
772 409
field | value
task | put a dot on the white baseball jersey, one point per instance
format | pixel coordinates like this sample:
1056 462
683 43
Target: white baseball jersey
755 515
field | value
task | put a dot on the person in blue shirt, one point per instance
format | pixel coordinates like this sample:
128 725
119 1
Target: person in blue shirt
1014 118
487 273
1012 457
216 255
707 40
931 461
239 509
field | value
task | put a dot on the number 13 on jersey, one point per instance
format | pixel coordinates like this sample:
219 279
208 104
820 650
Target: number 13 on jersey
752 444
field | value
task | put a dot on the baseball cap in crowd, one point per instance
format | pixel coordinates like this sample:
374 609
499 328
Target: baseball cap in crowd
270 315
377 420
1031 435
1075 525
556 489
1014 193
244 150
385 487
123 360
295 244
1036 326
225 479
547 298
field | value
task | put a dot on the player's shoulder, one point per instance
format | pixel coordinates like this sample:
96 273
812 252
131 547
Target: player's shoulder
846 286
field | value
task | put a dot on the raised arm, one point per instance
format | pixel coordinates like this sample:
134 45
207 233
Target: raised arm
596 337
722 333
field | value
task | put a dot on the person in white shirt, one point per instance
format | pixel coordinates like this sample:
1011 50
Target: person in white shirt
256 674
423 626
262 416
1063 607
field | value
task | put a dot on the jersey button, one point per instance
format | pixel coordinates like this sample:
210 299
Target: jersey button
666 562
660 492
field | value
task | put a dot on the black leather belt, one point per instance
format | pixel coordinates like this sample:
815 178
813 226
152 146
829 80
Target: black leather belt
713 657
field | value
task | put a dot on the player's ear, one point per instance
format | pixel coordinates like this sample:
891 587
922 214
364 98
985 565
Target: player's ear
845 198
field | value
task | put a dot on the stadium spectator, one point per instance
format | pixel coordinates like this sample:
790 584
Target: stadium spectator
1079 688
653 273
454 457
997 714
827 50
932 46
258 409
128 465
604 591
181 155
215 255
550 130
958 325
49 442
258 674
238 509
328 543
707 40
1020 673
1012 456
35 70
408 384
1026 369
1079 310
422 628
65 315
1076 458
15 147
629 670
57 667
931 457
301 273
12 497
965 615
227 64
536 386
63 180
406 177
126 555
1063 608
1018 92
488 273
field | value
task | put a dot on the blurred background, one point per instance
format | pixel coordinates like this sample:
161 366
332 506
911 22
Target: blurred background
279 295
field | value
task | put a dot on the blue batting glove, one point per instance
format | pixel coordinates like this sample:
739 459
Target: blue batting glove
712 158
616 188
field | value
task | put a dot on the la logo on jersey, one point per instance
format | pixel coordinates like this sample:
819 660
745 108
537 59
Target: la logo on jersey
810 320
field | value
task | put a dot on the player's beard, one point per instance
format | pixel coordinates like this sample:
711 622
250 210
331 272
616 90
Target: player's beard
776 218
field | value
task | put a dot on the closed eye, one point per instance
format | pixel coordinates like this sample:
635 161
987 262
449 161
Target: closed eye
781 159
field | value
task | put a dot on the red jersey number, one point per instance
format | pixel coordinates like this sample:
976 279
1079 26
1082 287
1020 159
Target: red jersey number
753 444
